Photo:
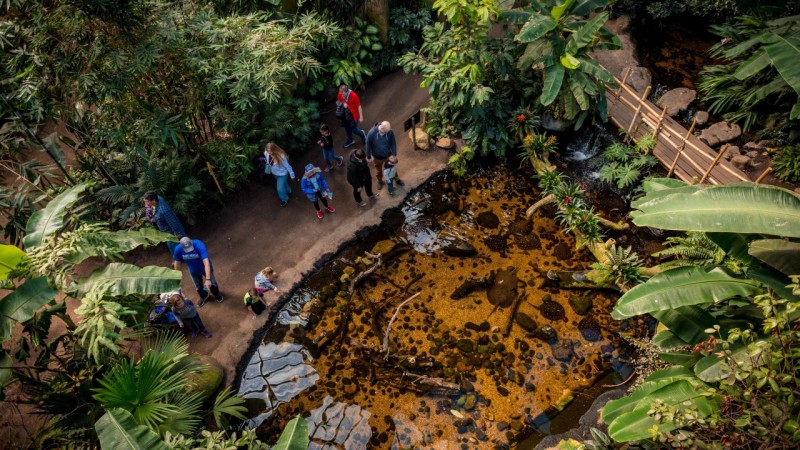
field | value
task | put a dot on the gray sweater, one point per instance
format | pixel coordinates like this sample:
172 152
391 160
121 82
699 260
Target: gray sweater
187 311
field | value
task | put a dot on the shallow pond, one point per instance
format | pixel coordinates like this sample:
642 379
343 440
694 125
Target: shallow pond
452 336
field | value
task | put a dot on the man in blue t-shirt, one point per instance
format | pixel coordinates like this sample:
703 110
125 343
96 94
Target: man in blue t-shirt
194 253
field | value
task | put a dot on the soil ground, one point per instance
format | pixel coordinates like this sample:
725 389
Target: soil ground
252 231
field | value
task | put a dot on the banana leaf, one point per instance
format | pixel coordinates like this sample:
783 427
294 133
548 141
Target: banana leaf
653 383
713 368
553 79
781 254
123 240
784 51
666 340
584 35
735 245
757 62
687 322
10 258
685 359
50 219
116 430
679 287
294 435
680 394
560 9
578 92
774 280
736 208
538 25
23 302
125 279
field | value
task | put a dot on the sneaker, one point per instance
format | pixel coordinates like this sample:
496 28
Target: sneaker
380 185
283 203
219 298
399 182
194 334
206 333
331 209
328 169
341 161
320 215
202 301
349 143
362 203
375 195
391 192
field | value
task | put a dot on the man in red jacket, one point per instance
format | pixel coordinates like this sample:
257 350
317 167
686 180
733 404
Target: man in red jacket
351 101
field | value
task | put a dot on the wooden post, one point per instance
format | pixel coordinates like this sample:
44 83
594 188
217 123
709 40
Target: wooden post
636 113
679 150
624 79
763 174
211 171
716 160
657 129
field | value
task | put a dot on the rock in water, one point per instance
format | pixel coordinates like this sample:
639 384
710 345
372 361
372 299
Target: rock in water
504 290
468 286
526 322
487 219
580 304
552 310
459 248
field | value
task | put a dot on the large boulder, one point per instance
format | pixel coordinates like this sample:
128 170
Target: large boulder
720 133
639 78
677 100
422 140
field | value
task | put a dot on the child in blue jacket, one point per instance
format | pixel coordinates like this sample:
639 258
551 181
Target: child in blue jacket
316 188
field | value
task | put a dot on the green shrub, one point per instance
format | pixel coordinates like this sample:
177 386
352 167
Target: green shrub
786 163
231 162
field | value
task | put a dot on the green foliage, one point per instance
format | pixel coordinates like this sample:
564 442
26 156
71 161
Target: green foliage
537 147
692 249
559 39
117 430
17 203
574 214
786 163
663 9
232 163
294 436
405 31
471 77
153 388
216 440
458 161
228 404
621 268
628 164
354 53
760 78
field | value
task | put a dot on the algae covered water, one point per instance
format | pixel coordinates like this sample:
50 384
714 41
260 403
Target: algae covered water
439 328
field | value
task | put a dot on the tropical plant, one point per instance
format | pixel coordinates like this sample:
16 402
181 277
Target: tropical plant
558 39
523 123
232 164
620 268
759 78
459 160
692 302
786 163
405 32
354 52
36 184
628 164
574 214
692 249
471 77
537 147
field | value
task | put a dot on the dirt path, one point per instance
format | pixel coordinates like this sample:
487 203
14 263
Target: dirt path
253 231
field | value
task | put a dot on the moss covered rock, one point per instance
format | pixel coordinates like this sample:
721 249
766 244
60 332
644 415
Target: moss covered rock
383 247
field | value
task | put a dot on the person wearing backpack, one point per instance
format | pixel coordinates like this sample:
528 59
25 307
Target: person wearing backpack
350 114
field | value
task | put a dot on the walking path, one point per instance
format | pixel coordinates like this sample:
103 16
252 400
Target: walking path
253 231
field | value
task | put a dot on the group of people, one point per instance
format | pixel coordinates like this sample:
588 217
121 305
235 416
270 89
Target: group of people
379 147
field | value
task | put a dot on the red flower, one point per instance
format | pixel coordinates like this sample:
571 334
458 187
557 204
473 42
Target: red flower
521 118
567 200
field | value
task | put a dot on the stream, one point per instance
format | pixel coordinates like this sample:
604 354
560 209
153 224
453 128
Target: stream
454 336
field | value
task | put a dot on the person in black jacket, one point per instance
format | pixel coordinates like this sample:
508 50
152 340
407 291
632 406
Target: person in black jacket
359 177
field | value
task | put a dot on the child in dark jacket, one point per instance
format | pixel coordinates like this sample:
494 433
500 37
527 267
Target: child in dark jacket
316 188
326 142
185 311
253 301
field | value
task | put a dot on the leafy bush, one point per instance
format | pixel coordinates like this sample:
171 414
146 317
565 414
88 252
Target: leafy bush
291 122
786 163
760 78
405 31
628 164
232 163
621 268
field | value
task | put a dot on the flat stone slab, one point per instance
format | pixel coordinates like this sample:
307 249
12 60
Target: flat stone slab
677 100
720 133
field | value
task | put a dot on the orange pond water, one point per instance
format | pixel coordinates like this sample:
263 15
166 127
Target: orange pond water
484 388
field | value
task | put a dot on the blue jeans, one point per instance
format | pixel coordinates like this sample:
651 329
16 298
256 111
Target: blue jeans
283 187
357 131
171 246
198 284
390 184
329 155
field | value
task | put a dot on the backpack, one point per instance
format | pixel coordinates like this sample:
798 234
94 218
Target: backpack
340 108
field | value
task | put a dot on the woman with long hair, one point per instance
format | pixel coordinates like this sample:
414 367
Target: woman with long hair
278 163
